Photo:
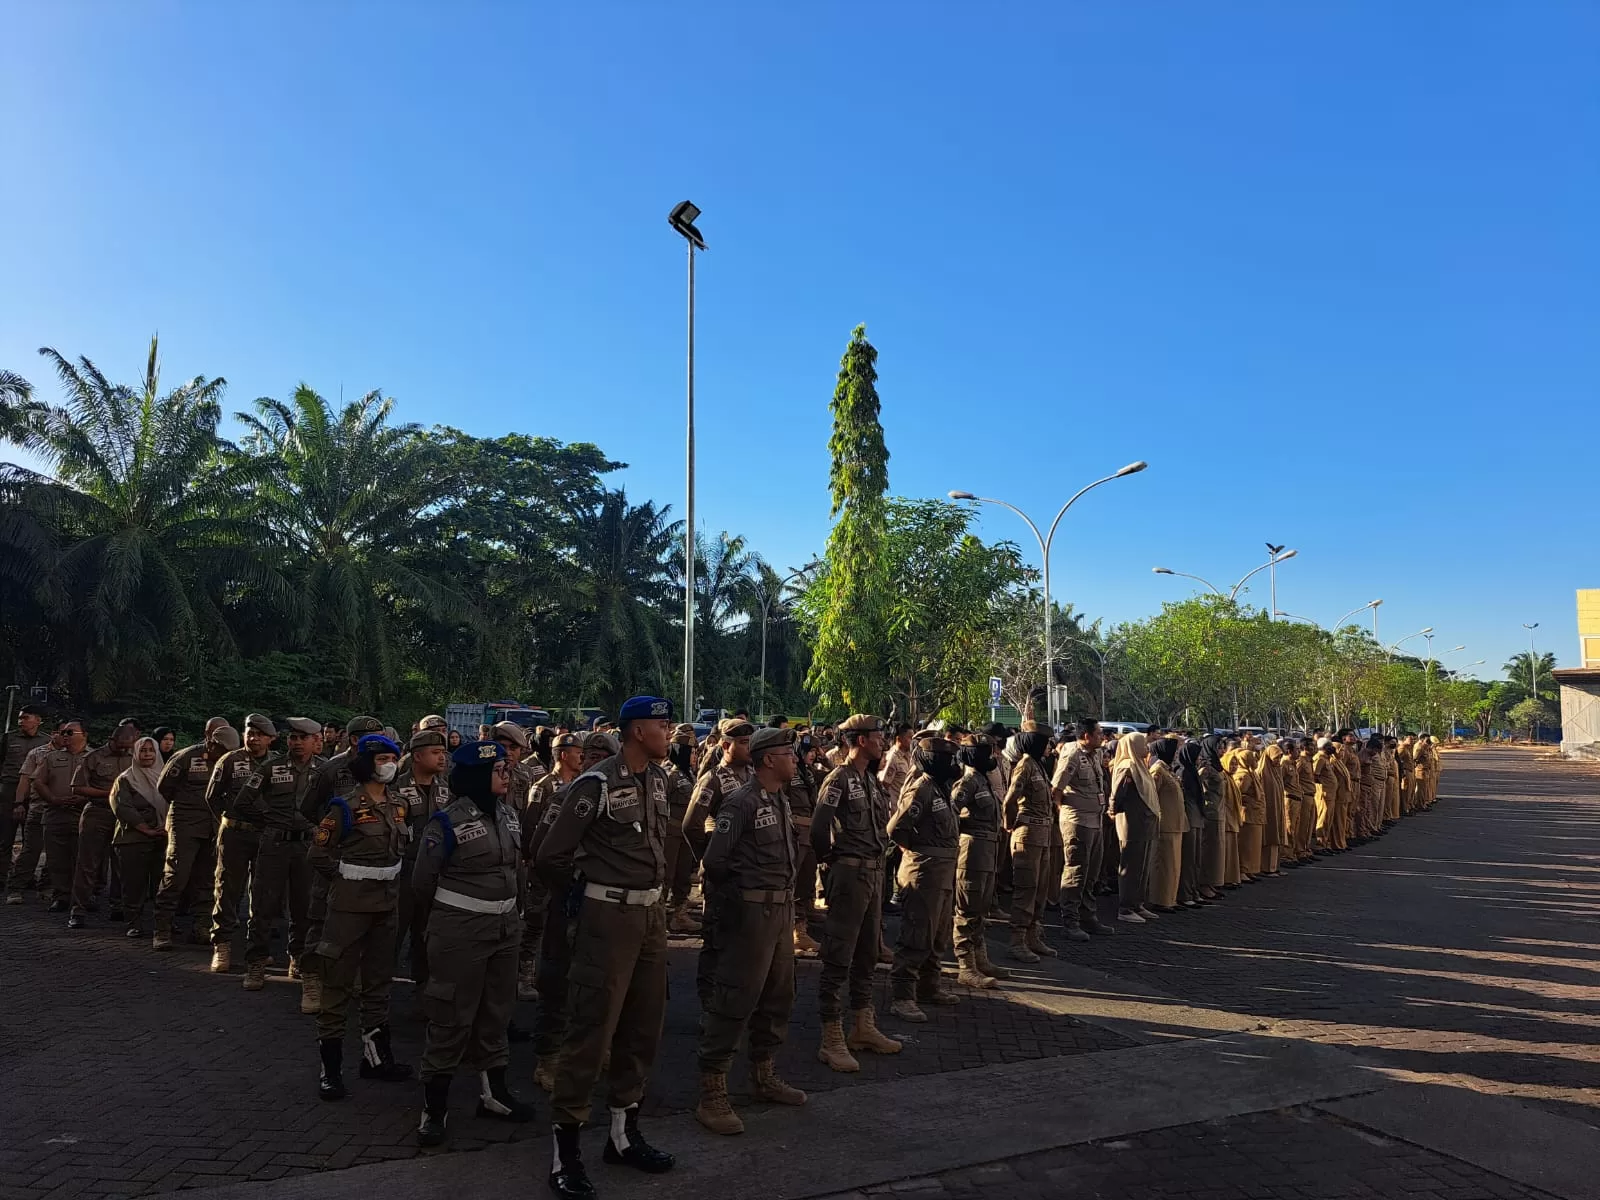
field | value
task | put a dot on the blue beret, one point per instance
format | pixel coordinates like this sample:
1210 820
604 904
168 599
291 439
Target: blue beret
645 707
473 754
376 743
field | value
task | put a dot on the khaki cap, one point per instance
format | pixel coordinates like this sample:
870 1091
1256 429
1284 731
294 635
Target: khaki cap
426 737
767 739
600 741
732 727
861 723
511 732
363 725
434 721
225 736
935 742
683 735
256 723
304 725
568 741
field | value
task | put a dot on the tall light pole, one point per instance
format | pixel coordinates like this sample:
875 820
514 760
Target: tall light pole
1272 556
1102 656
766 608
1045 541
1339 624
682 218
1393 646
1533 666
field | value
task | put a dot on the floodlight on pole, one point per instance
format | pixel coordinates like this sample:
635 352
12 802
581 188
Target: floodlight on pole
682 218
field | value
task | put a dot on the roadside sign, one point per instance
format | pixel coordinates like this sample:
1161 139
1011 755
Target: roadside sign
994 691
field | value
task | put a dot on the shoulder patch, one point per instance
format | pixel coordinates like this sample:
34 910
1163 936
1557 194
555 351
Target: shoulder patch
724 825
582 807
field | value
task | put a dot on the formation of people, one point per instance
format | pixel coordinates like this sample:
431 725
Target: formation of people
555 867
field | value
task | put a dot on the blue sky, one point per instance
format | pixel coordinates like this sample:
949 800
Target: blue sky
1333 270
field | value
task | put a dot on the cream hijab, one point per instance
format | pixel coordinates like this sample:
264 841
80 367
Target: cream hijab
1129 760
144 780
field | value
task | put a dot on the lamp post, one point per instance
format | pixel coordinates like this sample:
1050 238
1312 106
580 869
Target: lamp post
1393 646
1045 540
1533 666
1339 624
1102 656
682 219
766 608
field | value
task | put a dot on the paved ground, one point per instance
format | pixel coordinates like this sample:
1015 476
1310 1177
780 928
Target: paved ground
1456 948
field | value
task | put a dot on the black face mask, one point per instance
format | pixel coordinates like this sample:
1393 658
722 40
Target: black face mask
979 758
939 766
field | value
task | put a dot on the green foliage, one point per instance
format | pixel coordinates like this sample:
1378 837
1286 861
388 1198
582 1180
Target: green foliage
1528 714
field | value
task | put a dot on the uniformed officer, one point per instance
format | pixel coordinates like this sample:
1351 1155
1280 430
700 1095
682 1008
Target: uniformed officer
238 838
91 784
732 773
466 873
137 803
681 857
190 867
751 858
568 751
15 746
422 788
513 738
848 834
927 829
358 848
561 910
1031 813
276 796
978 812
332 779
802 795
612 830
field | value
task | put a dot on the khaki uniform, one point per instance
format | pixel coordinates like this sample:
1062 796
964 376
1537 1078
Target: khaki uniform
421 801
1269 784
1215 836
1166 863
96 823
1080 779
1349 761
1327 773
189 873
712 788
802 796
358 849
612 831
535 896
555 943
1391 786
276 796
1240 765
978 817
332 781
1030 812
752 857
848 833
238 840
14 751
927 829
138 855
1306 825
467 874
680 856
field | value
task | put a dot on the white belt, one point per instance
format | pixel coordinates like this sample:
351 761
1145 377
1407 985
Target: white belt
473 904
352 871
599 891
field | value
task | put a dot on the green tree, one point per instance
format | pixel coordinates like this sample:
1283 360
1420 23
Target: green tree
1529 715
844 609
1521 668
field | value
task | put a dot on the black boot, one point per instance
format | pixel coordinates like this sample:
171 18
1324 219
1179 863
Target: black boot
377 1057
516 1034
331 1086
627 1146
495 1099
435 1110
568 1179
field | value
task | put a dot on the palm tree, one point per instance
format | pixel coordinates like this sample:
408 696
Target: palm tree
1520 668
347 496
623 596
147 535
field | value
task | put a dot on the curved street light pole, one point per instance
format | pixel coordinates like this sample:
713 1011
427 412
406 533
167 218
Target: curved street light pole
682 218
766 607
1045 541
1102 656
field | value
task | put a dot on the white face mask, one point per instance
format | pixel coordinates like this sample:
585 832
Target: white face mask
384 772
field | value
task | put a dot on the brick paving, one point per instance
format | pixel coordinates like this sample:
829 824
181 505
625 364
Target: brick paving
1296 1154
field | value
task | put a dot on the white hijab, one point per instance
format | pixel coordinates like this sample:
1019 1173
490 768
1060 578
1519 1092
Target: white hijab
1129 760
144 780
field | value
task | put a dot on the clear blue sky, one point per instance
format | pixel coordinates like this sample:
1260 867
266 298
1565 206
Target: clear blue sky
1333 269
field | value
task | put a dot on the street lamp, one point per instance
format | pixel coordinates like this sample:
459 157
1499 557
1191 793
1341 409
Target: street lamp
1393 646
1102 656
1234 593
682 219
1533 666
766 607
1339 624
1045 541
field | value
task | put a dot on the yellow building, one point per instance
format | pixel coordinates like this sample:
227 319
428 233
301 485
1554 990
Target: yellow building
1589 626
1580 686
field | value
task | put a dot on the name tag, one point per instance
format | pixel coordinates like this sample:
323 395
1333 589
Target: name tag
512 824
938 804
765 818
470 832
282 775
199 767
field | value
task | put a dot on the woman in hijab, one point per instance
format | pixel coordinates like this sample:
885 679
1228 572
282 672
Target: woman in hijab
165 740
140 842
1233 815
1174 827
1137 808
1240 765
1030 812
1214 805
1192 892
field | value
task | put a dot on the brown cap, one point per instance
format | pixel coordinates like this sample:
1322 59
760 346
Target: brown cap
434 721
568 741
600 741
511 732
684 734
935 742
358 725
861 723
225 736
256 723
426 737
733 727
304 725
767 739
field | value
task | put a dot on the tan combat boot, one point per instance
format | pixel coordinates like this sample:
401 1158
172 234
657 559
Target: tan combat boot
833 1051
311 994
987 967
221 959
1019 947
682 922
865 1034
971 975
544 1072
255 976
714 1111
1038 945
804 943
769 1085
528 980
907 1010
163 935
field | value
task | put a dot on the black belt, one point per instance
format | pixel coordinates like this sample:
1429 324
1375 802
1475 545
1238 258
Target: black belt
981 835
855 860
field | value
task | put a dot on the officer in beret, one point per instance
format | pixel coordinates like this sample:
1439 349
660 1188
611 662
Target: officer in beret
568 755
467 874
358 849
561 907
238 839
926 829
276 797
612 828
751 860
334 779
847 833
421 786
730 774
